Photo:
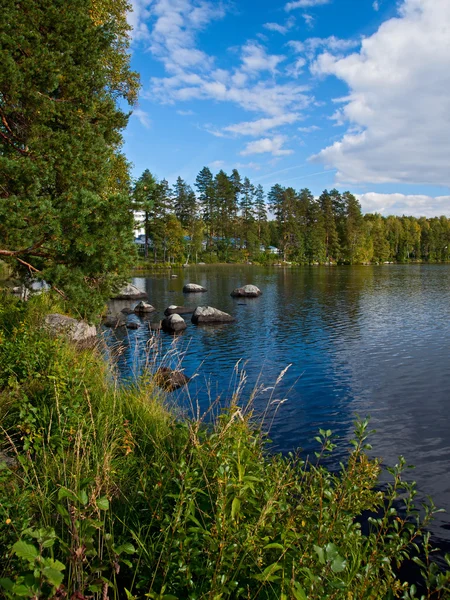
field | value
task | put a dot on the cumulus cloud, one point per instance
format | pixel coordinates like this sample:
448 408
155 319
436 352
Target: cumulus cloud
398 106
255 58
414 205
273 145
304 4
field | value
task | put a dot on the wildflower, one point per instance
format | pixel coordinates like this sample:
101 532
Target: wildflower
8 521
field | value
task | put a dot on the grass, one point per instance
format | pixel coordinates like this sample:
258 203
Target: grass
108 493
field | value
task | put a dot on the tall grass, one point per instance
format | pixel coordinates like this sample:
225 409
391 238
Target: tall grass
105 493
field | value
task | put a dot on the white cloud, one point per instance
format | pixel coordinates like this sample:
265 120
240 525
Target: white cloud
399 100
143 117
260 126
255 58
250 165
296 69
304 4
311 46
217 164
414 205
309 129
376 5
185 113
274 146
283 29
309 20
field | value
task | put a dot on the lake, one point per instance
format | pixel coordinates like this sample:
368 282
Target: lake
368 340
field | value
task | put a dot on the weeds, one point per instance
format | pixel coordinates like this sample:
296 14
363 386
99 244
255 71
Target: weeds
109 495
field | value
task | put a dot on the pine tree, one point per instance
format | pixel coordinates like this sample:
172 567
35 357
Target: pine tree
64 185
206 196
329 223
184 203
261 215
144 193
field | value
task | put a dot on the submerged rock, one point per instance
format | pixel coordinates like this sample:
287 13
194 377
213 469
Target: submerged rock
191 288
79 332
208 314
144 307
173 323
114 321
178 310
130 292
169 379
132 325
247 291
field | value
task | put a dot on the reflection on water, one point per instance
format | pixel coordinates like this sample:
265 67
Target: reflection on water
360 340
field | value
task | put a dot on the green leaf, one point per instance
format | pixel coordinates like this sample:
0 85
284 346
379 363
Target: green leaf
298 592
125 549
6 584
26 551
321 554
53 576
103 503
339 564
235 506
83 497
65 493
274 545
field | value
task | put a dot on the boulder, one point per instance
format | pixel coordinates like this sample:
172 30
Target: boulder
169 379
208 314
144 307
130 292
127 311
114 321
173 323
79 332
155 326
247 291
192 288
132 325
178 310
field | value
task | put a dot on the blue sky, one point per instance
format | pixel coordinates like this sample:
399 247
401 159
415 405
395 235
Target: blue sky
353 94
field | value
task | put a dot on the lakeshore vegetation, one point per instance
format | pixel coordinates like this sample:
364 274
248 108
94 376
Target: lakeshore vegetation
111 492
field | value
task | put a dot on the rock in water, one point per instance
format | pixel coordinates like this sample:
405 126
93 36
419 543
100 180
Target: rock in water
79 332
130 292
144 307
156 326
191 288
173 323
169 379
208 314
115 321
179 310
132 325
247 291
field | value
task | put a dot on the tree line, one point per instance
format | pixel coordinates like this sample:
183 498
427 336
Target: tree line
229 218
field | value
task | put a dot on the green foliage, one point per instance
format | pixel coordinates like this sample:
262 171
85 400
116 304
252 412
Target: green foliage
64 206
111 494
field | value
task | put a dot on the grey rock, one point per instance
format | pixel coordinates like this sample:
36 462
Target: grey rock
169 379
127 311
144 307
179 310
192 288
247 291
173 323
155 326
130 292
132 325
114 321
208 314
79 332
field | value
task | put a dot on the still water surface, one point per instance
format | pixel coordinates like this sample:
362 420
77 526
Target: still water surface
360 340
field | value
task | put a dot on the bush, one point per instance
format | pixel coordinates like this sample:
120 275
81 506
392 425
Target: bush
111 495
